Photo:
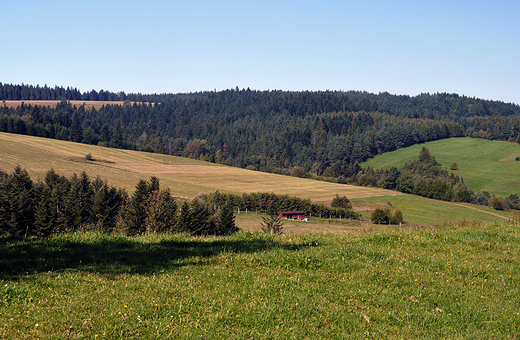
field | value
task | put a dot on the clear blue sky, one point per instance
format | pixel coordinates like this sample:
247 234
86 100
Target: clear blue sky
403 47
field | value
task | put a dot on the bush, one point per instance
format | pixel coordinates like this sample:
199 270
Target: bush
297 171
498 203
381 216
384 216
272 224
397 217
341 202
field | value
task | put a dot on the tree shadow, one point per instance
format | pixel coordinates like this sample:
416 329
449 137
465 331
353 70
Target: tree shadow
118 255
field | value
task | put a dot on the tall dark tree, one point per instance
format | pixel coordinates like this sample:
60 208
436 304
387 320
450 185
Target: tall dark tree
225 221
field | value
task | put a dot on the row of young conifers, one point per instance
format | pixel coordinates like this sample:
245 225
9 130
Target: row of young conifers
58 204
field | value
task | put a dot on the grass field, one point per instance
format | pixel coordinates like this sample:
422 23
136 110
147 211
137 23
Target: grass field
187 177
484 164
421 210
460 282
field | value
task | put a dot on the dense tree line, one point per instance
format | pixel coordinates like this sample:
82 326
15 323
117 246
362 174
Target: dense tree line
30 92
271 204
299 133
58 204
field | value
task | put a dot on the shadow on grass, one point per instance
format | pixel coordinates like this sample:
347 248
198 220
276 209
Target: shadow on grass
112 255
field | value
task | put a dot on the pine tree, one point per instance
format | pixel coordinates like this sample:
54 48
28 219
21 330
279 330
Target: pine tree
137 209
161 209
225 221
272 224
45 216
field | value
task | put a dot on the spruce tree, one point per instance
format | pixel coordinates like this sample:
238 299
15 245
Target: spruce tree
225 221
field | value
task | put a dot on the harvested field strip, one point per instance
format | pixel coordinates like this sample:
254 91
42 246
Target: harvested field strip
185 177
53 103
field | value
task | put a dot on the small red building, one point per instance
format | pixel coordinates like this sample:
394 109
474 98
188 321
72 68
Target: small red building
292 215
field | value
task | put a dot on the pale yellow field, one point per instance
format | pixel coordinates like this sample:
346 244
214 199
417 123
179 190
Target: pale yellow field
185 177
52 103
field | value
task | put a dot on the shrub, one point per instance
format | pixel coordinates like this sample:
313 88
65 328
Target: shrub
272 224
498 203
297 171
397 217
341 202
381 216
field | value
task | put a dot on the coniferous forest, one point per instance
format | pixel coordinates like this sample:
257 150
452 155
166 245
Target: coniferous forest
323 135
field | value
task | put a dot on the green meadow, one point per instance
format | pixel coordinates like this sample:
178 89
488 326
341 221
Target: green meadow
452 271
457 282
485 165
426 211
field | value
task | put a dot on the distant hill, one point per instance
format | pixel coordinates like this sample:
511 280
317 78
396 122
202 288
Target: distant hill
314 134
484 164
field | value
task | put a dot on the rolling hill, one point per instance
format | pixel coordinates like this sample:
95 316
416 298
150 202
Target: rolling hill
484 164
187 177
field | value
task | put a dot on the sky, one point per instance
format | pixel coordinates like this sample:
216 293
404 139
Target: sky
471 48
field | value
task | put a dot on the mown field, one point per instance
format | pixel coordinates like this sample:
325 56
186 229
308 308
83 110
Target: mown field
484 164
53 103
186 178
457 282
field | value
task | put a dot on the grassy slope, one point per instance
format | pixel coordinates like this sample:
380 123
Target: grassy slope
417 209
187 177
460 282
484 164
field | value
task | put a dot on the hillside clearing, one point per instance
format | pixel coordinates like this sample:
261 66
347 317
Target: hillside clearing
484 164
187 177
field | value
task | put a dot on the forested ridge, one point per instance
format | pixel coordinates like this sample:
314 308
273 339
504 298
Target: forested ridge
301 133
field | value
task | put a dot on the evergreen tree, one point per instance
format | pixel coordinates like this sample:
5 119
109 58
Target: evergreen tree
225 221
272 224
137 209
161 209
45 216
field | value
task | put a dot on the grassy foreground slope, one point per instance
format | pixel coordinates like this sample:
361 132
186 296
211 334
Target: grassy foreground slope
460 282
484 164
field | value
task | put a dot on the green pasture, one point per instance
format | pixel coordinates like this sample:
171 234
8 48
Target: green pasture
484 164
421 210
458 282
